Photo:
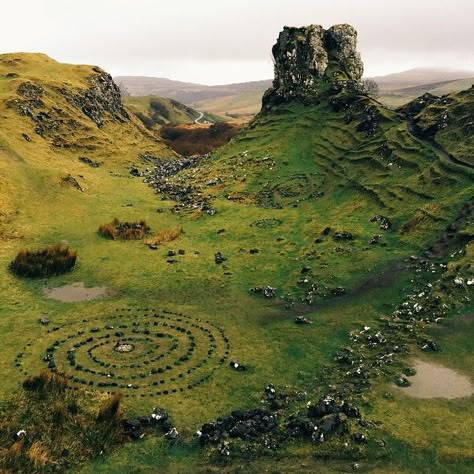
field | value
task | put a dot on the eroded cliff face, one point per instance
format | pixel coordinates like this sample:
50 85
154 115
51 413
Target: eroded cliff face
311 60
100 99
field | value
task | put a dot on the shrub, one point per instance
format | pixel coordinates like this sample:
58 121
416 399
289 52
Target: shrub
124 230
192 140
46 262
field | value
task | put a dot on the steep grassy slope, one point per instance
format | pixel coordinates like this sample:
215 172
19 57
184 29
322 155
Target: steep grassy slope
62 131
263 201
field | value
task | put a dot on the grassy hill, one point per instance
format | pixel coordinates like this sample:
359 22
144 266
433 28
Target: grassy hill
398 97
186 92
419 77
155 112
326 204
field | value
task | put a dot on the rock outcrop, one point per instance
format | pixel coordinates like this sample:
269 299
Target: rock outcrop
102 97
311 60
99 102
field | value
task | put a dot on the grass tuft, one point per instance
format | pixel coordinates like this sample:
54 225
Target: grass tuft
48 426
46 262
167 235
117 230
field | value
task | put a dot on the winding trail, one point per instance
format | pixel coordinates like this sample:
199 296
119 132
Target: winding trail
199 118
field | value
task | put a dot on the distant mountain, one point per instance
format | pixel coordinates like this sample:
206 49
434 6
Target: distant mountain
185 92
399 97
243 100
419 76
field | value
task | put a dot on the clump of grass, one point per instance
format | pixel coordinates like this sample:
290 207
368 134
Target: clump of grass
46 383
124 230
167 235
46 262
110 411
49 427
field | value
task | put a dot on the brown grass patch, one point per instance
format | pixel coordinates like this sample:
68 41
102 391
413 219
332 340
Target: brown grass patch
46 262
198 139
167 235
117 230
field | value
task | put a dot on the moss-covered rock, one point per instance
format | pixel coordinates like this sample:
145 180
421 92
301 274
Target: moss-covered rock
309 60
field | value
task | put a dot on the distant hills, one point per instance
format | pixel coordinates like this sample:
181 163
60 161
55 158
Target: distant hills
399 88
186 92
419 76
243 100
155 111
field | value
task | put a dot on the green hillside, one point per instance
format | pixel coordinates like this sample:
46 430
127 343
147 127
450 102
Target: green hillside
299 251
155 112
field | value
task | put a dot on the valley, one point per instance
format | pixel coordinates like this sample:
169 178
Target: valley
261 305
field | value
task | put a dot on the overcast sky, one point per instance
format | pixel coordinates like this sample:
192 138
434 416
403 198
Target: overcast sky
223 41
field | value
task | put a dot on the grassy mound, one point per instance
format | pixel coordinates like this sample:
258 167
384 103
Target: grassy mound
124 230
46 262
48 426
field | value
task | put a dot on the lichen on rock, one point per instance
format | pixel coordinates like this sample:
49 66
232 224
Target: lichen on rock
310 60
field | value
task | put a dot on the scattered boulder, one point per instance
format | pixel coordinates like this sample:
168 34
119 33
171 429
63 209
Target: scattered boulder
219 258
246 425
88 161
302 320
343 235
237 366
384 222
338 291
172 434
267 291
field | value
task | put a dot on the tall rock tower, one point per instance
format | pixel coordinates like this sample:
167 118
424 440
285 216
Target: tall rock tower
311 60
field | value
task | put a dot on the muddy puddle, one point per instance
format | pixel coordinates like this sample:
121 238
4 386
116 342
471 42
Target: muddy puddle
77 292
436 381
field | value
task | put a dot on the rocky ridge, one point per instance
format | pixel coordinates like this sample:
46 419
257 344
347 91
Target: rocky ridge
100 100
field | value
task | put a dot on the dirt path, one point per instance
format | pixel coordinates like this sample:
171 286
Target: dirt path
199 118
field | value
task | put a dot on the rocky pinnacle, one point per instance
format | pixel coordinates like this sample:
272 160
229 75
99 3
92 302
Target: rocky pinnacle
310 59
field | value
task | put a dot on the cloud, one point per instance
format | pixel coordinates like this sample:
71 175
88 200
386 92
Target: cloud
230 40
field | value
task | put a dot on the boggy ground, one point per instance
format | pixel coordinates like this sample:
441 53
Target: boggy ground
320 173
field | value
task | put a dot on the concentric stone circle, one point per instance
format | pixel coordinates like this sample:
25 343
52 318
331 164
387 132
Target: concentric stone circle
144 352
266 223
